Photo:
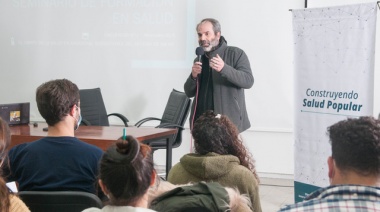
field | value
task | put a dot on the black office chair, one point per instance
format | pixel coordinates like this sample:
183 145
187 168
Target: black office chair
93 110
175 115
59 201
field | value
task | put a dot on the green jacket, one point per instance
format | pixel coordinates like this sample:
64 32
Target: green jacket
212 167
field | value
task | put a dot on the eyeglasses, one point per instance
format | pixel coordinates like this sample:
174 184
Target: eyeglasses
76 105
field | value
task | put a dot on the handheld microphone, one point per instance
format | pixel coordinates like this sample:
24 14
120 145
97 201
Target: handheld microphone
199 52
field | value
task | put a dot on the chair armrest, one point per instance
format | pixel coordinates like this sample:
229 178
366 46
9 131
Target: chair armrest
123 118
142 121
85 122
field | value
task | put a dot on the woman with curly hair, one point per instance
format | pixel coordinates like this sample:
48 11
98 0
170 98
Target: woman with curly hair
220 156
9 202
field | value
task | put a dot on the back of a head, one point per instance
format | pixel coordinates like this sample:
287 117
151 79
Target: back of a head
215 133
55 98
356 145
126 170
218 134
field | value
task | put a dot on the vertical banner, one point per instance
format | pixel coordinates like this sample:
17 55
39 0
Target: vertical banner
334 51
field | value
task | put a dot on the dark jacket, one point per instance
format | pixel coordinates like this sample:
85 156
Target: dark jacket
197 197
228 85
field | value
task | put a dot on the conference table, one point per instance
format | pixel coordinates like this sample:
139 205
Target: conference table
100 136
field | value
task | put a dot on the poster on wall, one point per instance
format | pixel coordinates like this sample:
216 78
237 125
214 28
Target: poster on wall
334 51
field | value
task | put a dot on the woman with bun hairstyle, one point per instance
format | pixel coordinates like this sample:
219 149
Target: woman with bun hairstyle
125 175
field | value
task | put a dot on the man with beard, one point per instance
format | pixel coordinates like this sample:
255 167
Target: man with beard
218 80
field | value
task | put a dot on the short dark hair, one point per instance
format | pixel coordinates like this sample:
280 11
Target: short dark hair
218 134
215 25
355 145
126 170
55 98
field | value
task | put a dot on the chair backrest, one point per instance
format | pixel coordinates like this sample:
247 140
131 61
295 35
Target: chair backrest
92 107
59 201
176 112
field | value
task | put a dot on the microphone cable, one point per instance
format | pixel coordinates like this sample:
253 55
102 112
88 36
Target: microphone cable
193 118
199 51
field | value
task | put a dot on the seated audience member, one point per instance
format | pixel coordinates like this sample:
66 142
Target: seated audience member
60 161
128 178
354 169
9 202
125 175
220 157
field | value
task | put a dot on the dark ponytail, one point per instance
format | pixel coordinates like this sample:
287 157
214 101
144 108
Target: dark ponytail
126 170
